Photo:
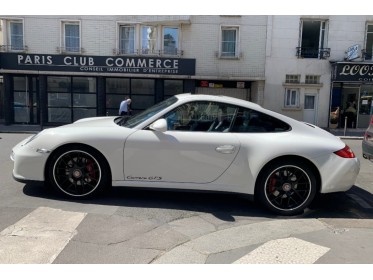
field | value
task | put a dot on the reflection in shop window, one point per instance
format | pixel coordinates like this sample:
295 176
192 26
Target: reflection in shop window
148 39
172 87
59 115
170 40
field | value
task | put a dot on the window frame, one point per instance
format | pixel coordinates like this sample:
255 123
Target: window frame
121 50
223 54
149 51
323 38
288 100
64 48
10 36
312 79
368 56
177 42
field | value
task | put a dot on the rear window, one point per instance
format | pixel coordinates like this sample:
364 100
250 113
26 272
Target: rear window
248 120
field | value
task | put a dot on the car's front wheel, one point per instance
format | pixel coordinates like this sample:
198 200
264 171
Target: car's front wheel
78 172
286 187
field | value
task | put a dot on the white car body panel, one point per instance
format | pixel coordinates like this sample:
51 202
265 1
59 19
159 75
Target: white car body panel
178 156
189 160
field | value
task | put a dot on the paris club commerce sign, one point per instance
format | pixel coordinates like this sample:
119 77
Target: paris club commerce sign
97 64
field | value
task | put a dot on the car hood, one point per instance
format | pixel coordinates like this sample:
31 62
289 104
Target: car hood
96 132
93 122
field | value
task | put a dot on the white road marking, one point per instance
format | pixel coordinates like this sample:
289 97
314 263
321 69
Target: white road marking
284 251
39 237
359 200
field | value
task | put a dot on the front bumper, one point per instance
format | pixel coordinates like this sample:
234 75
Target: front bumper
29 162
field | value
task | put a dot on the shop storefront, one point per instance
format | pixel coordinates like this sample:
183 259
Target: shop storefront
351 94
58 89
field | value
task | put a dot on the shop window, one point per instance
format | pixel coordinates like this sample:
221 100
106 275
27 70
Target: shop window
149 40
312 79
172 87
71 37
369 43
16 38
127 39
71 98
142 93
292 79
313 39
170 40
229 42
117 89
25 100
291 98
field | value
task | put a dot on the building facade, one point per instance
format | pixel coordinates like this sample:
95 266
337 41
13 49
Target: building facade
57 69
319 69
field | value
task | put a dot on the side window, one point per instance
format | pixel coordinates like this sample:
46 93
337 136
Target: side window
201 116
251 121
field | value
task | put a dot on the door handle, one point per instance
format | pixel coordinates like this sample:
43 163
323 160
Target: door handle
226 149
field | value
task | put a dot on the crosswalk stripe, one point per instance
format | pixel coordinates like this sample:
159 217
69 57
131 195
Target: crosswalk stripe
39 237
284 251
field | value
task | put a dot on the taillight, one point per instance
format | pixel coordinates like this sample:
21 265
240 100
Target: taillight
371 120
346 152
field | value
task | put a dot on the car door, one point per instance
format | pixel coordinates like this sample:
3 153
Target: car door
188 152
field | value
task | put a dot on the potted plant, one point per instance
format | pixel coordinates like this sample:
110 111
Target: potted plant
334 117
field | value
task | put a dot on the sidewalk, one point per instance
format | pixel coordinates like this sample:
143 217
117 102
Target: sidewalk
351 133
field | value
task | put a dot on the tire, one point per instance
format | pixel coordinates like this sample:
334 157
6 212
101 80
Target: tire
286 187
78 172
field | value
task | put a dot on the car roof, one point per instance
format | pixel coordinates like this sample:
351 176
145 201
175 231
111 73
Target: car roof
218 98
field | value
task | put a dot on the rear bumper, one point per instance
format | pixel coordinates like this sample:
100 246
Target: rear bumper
338 174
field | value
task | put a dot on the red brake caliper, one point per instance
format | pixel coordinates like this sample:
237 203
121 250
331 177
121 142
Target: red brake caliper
90 168
272 185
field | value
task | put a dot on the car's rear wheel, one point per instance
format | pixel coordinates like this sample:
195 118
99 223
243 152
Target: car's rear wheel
286 187
78 172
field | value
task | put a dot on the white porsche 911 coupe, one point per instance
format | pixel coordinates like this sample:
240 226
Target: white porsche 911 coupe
192 142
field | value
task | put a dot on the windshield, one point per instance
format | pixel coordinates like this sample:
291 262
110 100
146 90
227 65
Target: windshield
148 113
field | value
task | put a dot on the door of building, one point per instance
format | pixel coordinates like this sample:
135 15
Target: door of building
309 112
25 99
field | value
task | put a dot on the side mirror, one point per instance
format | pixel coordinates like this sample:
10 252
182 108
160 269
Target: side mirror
159 125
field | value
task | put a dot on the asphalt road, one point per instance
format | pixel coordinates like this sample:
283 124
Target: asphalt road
140 227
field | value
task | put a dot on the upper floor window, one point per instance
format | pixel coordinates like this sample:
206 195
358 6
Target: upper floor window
148 39
313 39
312 79
71 36
369 42
292 79
127 39
229 41
16 35
170 40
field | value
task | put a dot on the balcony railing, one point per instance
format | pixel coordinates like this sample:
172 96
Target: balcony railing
174 52
70 50
313 53
12 48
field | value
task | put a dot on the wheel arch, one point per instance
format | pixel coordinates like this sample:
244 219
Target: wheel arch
75 146
294 158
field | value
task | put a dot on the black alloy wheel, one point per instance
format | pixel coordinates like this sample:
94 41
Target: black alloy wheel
287 188
78 173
